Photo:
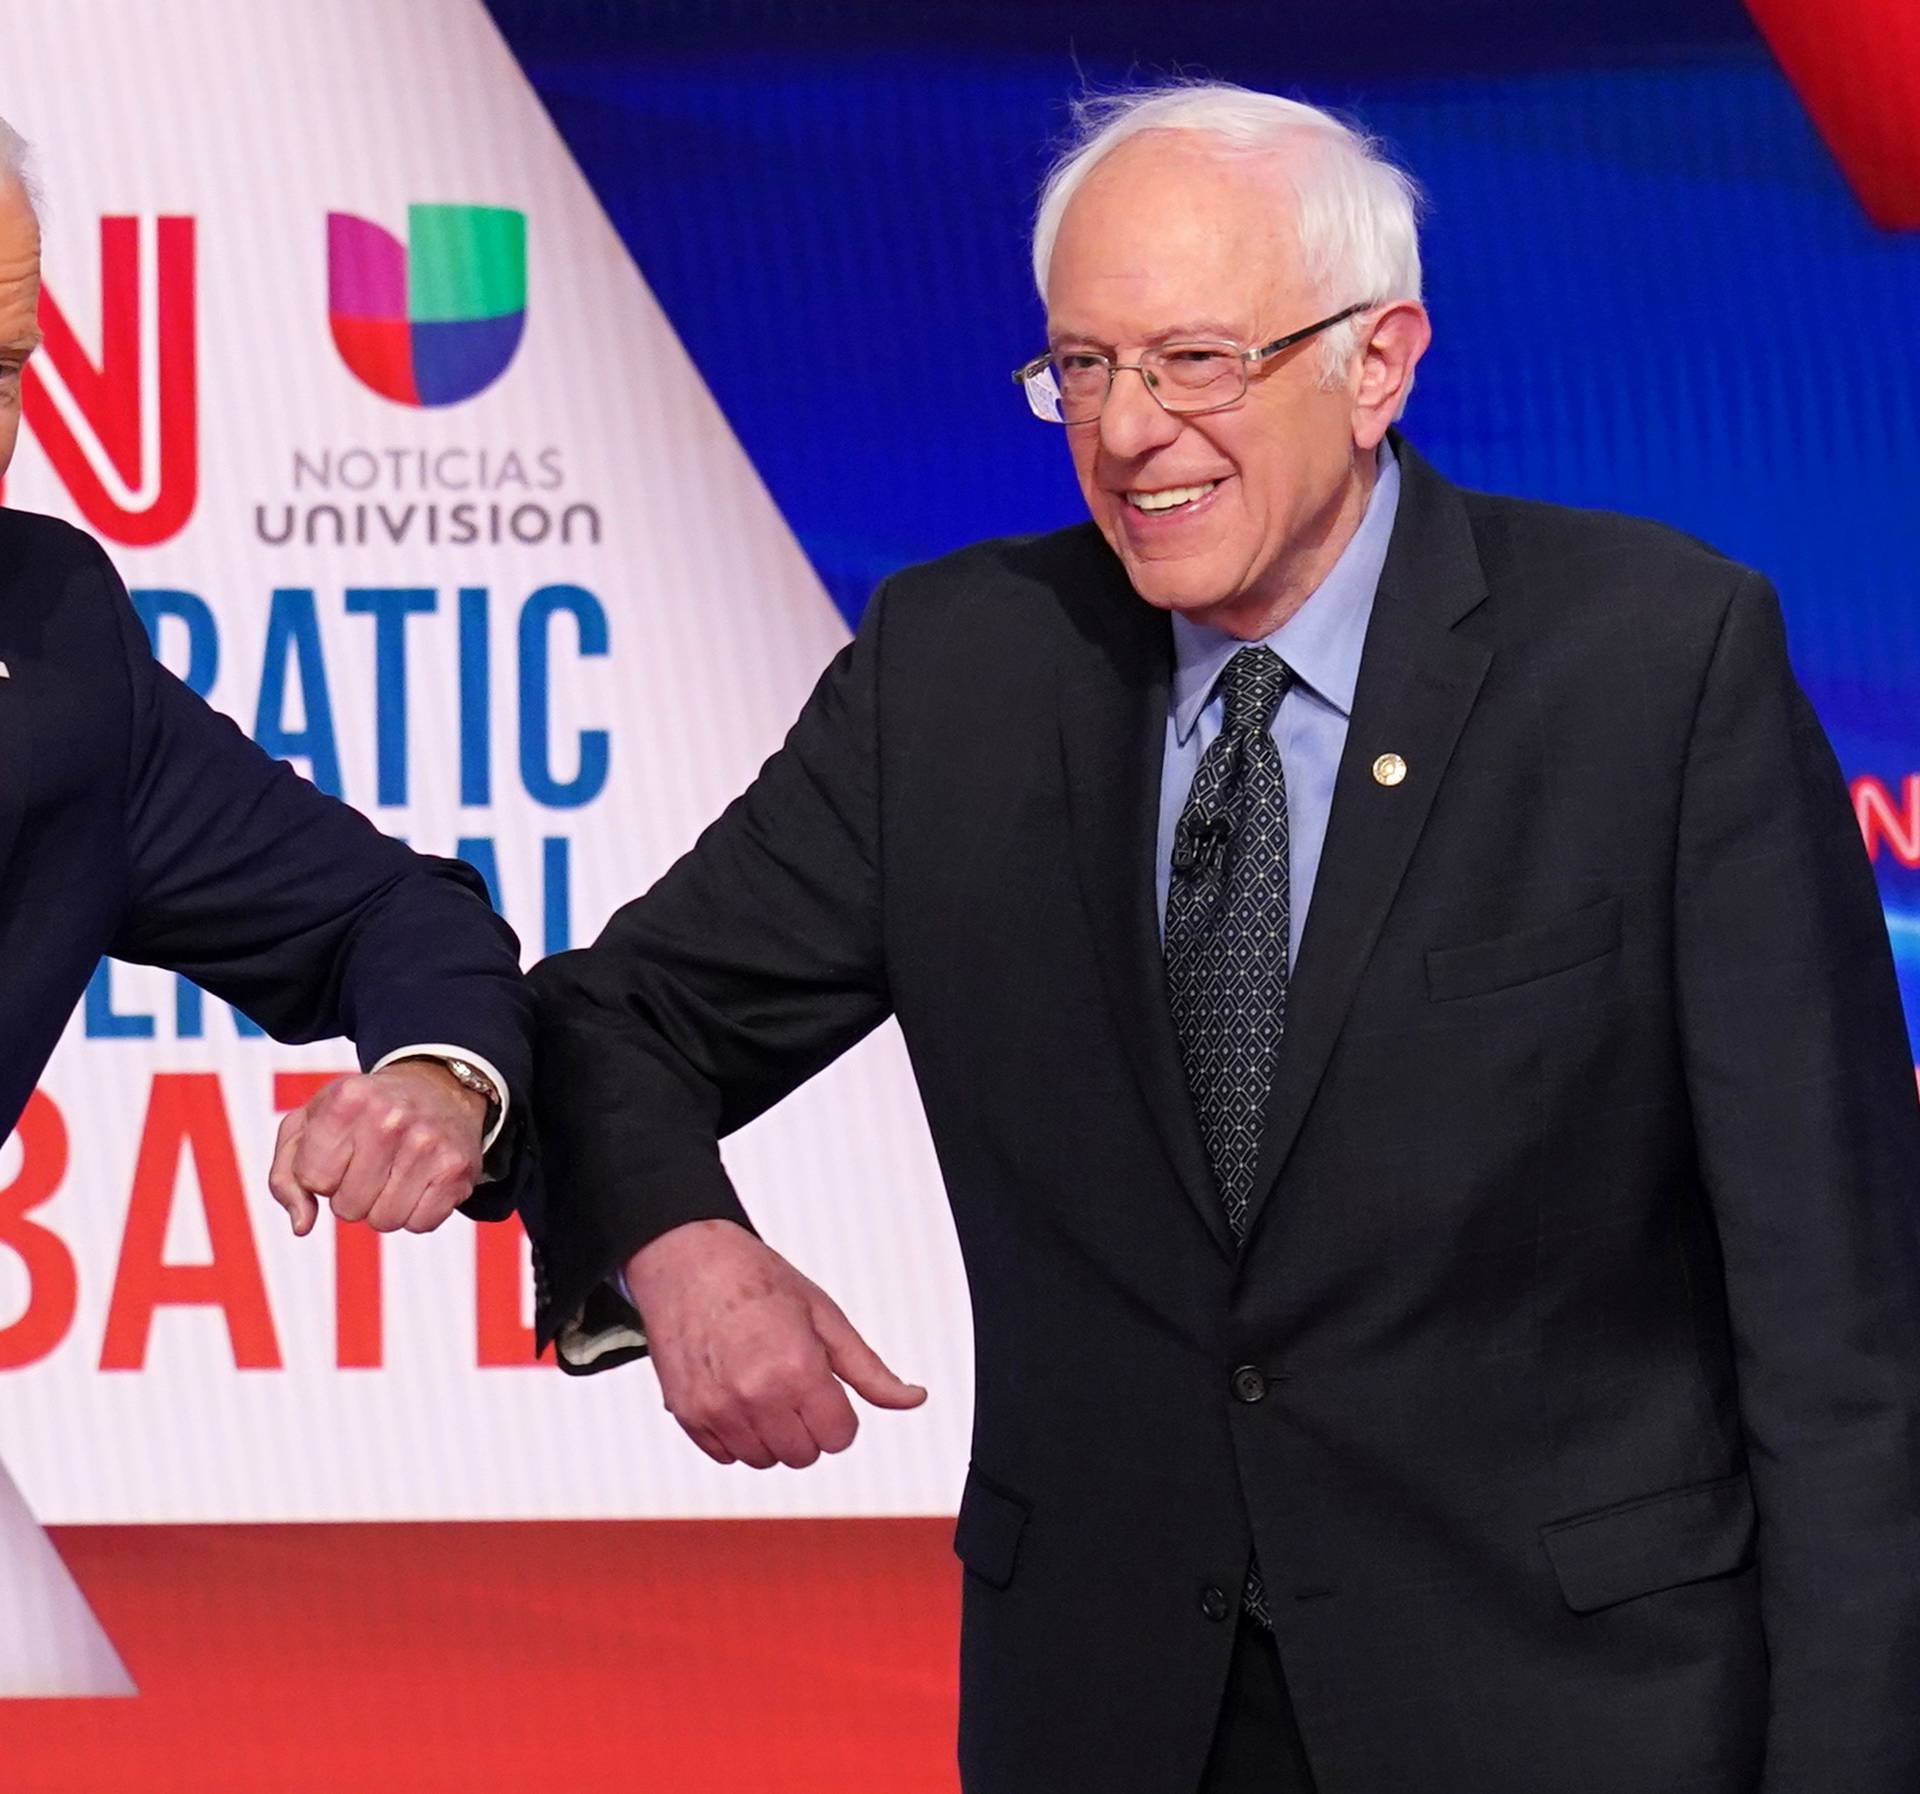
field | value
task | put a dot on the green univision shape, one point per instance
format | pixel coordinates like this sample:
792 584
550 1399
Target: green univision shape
465 262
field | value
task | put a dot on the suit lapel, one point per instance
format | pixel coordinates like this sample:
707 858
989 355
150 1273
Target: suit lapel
1113 718
1418 681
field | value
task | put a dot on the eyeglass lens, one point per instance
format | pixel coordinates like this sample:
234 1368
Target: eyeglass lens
1182 376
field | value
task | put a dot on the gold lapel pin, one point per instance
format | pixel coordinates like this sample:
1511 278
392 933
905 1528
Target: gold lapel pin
1389 769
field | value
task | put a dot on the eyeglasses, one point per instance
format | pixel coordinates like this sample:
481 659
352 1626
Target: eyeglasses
1070 386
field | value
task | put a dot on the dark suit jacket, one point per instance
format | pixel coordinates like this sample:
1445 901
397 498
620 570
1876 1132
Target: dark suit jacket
1583 1280
137 822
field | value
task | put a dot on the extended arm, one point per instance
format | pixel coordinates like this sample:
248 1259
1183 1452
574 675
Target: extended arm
297 910
753 963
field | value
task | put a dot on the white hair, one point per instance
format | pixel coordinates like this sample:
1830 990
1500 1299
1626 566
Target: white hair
16 164
1355 211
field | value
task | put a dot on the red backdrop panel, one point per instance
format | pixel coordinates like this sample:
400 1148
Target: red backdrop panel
684 1657
1856 64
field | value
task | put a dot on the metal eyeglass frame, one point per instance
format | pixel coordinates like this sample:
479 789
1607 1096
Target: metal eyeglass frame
1030 375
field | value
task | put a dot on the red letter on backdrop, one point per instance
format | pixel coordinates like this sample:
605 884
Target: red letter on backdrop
1884 822
52 1288
359 1341
187 1116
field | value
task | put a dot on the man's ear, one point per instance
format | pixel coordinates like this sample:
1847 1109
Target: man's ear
1395 341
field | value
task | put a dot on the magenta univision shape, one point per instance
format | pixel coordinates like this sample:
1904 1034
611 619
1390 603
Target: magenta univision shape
366 269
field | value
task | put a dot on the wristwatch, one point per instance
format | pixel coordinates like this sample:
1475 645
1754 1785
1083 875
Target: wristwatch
471 1077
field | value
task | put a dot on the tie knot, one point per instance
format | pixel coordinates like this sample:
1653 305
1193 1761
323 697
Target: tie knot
1251 688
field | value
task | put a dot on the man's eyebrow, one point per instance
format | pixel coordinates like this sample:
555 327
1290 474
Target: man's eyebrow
1190 330
21 345
1211 328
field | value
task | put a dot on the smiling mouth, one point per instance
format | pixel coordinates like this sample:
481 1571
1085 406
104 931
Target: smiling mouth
1170 498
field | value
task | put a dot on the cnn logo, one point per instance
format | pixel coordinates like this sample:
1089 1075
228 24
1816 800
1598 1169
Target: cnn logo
122 432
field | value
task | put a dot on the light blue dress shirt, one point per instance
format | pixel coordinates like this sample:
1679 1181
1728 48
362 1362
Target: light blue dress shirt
1321 641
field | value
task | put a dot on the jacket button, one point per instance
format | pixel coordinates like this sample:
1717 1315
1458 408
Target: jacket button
1248 1384
1214 1603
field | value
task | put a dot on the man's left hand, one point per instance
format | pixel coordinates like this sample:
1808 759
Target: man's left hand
399 1147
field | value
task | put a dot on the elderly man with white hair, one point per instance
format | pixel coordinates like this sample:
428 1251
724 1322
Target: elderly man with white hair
136 821
1412 1045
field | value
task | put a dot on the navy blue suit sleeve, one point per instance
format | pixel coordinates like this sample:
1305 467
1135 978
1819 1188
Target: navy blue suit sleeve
296 909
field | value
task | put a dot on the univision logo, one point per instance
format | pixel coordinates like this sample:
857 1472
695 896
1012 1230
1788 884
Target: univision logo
436 319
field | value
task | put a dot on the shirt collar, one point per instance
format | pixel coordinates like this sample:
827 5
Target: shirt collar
1322 640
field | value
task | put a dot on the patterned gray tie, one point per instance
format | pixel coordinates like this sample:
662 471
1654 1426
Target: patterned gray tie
1226 940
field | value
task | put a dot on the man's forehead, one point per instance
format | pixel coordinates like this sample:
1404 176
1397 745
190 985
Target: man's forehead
19 233
1154 252
1186 175
1168 215
19 292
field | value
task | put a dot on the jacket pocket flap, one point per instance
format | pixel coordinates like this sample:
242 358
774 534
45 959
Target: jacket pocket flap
1658 1542
986 1537
1535 952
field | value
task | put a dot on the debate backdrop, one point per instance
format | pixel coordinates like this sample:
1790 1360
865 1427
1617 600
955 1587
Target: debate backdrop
504 413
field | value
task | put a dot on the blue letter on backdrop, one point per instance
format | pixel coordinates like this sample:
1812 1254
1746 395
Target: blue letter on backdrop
476 699
536 721
293 641
203 634
390 607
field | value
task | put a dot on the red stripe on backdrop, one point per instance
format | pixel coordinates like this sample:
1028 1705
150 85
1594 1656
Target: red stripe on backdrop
1856 65
698 1657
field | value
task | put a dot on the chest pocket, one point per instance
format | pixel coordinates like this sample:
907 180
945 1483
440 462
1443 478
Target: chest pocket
1537 951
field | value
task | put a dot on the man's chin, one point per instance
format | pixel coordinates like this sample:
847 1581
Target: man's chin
1170 587
1191 584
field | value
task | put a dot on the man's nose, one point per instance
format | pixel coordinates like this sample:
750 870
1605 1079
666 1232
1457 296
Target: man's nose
1133 421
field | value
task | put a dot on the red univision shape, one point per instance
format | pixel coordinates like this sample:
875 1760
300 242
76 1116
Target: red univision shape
380 352
1856 64
367 304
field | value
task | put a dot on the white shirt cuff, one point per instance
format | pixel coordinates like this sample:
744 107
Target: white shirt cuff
580 1350
440 1050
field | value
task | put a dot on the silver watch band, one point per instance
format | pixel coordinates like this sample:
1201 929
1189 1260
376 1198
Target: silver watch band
472 1078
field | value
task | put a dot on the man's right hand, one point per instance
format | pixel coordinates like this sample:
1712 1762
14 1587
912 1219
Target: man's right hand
751 1356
